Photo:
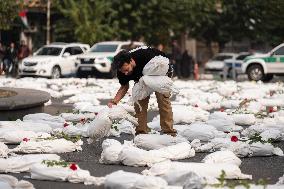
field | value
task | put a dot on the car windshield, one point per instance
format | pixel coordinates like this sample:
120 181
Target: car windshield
222 57
103 48
52 51
242 57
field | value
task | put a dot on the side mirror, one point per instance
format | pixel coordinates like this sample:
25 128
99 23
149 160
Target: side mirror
66 54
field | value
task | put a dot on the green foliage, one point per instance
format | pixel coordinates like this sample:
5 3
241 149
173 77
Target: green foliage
257 138
65 136
51 163
9 10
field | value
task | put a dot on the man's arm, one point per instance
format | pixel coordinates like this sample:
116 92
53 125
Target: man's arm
119 95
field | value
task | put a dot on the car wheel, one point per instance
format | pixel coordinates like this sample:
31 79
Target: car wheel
267 78
255 72
55 73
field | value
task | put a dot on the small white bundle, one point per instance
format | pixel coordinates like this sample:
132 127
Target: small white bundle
48 146
127 180
156 141
159 65
222 157
10 182
111 150
4 150
23 163
17 136
52 121
71 173
244 119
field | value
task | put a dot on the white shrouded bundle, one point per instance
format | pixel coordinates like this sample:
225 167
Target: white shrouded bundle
154 79
52 121
92 98
48 146
114 153
223 122
23 163
200 131
206 170
127 180
77 117
17 136
41 171
244 119
4 150
222 157
28 125
155 141
10 182
101 125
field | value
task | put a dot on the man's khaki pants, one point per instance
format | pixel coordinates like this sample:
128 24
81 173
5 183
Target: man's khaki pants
166 115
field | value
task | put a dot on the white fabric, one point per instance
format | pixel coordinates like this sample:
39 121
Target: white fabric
127 180
159 65
99 127
25 126
244 119
41 171
23 163
111 150
206 170
52 121
48 146
154 141
4 150
10 182
77 117
200 131
222 157
17 136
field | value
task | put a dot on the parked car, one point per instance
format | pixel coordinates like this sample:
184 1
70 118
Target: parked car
53 61
234 66
97 61
265 66
216 64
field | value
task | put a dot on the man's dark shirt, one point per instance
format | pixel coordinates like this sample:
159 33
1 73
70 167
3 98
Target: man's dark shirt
141 57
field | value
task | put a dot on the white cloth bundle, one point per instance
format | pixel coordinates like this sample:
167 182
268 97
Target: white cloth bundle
4 150
77 117
25 126
23 163
222 122
206 170
10 182
133 156
155 141
48 146
159 65
52 121
222 157
17 136
41 171
127 180
200 131
111 150
244 119
92 98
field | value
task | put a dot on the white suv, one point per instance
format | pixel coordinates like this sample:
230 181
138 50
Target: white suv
53 61
97 61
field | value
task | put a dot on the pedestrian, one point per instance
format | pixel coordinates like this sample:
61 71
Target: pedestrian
24 51
129 66
10 59
2 55
176 58
186 64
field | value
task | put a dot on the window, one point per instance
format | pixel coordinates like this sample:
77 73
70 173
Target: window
69 50
242 57
51 51
76 50
222 57
279 51
103 48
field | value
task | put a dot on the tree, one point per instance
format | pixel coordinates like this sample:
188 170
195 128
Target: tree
89 20
8 12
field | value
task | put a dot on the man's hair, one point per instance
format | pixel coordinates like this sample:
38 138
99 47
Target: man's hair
122 57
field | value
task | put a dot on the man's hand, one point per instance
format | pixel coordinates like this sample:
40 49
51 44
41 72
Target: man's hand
111 104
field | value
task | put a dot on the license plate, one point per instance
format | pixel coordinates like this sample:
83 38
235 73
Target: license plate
86 59
86 68
28 69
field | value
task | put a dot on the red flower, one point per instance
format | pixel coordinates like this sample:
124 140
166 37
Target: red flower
65 125
26 139
96 113
196 105
270 109
82 120
73 166
222 109
234 139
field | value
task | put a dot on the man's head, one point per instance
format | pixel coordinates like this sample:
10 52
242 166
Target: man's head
124 63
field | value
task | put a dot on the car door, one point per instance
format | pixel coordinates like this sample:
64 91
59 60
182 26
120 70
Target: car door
69 61
75 51
275 63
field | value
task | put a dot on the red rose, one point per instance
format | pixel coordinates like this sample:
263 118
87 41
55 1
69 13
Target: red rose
196 105
65 125
82 120
73 166
234 139
270 110
222 109
96 113
26 139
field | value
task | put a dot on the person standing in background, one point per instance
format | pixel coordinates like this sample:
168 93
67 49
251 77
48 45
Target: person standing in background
186 64
10 59
176 58
2 55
